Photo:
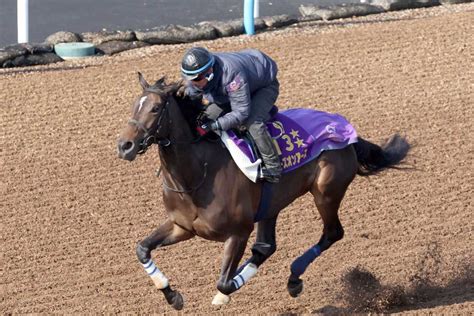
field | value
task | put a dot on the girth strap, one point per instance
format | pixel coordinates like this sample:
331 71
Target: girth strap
265 200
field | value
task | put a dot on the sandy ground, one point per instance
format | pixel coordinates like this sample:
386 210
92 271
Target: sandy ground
72 212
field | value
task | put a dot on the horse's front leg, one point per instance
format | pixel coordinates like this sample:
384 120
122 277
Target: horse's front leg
265 244
262 249
228 283
167 234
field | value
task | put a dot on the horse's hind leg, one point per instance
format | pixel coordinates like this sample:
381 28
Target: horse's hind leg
331 234
167 234
337 170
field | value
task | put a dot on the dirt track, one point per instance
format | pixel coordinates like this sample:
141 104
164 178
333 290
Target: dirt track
71 212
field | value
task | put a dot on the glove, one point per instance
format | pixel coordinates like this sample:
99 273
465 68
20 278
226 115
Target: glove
211 126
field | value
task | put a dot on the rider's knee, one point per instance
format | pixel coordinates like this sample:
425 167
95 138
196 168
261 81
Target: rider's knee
257 128
213 111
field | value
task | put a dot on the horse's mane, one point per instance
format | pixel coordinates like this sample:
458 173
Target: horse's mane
191 108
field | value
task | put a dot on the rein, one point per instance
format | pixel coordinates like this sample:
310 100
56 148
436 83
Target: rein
151 137
184 190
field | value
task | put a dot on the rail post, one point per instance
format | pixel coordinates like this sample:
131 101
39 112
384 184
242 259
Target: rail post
256 9
23 21
251 11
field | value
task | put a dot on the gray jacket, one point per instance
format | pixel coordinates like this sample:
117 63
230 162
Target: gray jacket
237 76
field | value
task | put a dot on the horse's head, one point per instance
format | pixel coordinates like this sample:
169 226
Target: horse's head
148 117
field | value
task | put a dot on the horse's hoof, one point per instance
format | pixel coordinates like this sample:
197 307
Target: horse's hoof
295 286
173 298
177 301
220 299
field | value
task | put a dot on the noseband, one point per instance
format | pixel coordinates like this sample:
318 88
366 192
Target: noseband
151 134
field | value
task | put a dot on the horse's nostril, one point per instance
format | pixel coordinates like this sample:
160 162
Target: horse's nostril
125 146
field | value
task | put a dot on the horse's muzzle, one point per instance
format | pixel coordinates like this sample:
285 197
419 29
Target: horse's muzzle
126 149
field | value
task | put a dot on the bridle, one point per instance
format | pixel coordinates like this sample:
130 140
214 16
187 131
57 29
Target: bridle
151 136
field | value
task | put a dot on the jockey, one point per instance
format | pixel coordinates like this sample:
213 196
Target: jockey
241 88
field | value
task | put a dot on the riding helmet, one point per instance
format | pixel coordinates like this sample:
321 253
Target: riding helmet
196 61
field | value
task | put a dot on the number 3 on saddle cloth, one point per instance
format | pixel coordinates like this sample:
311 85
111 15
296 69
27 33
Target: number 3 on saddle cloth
300 135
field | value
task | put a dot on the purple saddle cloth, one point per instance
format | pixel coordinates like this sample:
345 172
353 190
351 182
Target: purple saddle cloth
302 134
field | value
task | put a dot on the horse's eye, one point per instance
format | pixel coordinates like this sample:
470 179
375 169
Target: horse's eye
155 109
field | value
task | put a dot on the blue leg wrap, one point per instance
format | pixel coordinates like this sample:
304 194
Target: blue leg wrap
299 266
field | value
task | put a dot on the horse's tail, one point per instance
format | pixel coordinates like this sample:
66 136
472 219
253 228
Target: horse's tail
374 158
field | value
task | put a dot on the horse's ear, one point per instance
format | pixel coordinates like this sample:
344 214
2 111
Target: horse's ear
143 82
160 82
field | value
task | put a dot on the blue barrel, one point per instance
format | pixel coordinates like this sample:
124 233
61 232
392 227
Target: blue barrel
74 50
248 17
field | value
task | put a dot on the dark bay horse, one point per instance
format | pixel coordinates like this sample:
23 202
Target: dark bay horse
206 195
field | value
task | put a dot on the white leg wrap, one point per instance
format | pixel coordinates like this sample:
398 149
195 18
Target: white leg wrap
247 272
155 274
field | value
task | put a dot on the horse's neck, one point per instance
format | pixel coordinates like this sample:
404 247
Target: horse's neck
183 159
179 128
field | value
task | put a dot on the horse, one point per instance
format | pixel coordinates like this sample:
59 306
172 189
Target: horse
206 195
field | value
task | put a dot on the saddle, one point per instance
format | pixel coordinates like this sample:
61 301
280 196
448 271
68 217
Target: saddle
300 135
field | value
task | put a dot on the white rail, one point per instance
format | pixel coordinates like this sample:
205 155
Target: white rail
23 21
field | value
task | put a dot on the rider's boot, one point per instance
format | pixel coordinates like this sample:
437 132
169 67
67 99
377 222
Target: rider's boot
272 166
